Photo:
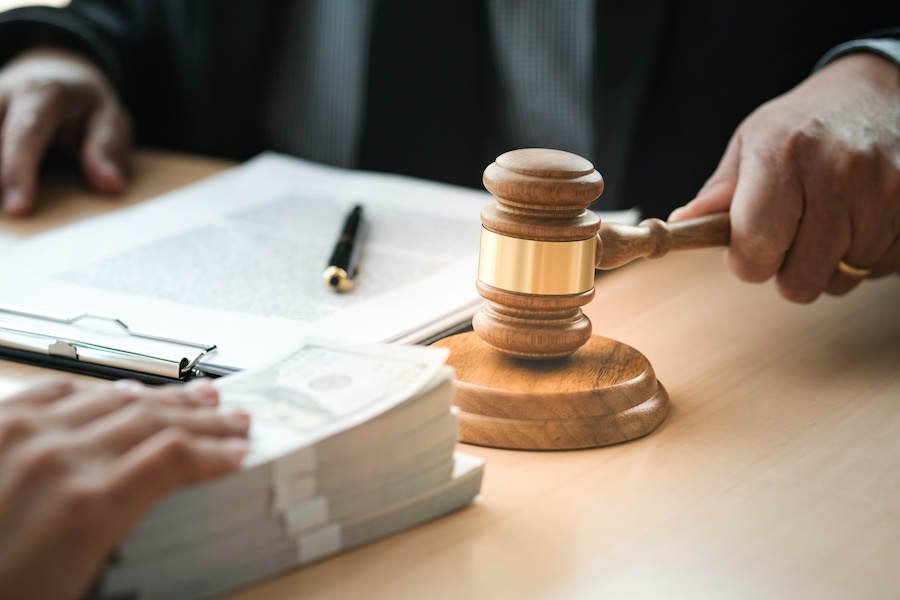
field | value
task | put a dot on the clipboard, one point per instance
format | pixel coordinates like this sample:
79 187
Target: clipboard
51 340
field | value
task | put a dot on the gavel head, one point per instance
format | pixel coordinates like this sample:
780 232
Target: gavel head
538 250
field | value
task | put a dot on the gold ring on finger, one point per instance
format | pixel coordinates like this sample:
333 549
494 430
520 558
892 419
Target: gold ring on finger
850 270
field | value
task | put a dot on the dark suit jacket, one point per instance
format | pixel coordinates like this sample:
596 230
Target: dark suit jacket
191 73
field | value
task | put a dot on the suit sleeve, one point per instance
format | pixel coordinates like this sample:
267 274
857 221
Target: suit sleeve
189 71
885 43
79 27
143 46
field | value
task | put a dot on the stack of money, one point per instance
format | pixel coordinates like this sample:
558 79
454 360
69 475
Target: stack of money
349 443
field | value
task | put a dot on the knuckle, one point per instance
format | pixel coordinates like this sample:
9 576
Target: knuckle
46 88
16 427
803 140
54 94
143 418
126 394
758 254
84 498
59 388
175 446
759 244
144 412
854 165
28 110
45 459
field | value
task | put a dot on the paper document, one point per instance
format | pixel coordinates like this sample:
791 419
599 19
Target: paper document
237 259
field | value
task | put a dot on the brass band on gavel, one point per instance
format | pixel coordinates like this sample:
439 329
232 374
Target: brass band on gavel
540 245
538 253
532 375
536 266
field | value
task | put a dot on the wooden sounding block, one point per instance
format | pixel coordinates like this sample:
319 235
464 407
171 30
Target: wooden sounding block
533 376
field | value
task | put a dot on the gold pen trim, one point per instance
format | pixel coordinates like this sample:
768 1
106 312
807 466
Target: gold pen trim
337 279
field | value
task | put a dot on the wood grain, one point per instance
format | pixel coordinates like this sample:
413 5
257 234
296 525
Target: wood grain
530 326
64 197
620 244
773 476
541 195
605 393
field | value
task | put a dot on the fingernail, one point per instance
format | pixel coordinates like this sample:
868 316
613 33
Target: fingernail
202 392
235 449
238 419
109 168
129 385
14 201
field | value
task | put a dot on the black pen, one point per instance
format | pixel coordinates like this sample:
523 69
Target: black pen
343 265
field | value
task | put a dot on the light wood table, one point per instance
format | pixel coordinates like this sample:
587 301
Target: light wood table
775 475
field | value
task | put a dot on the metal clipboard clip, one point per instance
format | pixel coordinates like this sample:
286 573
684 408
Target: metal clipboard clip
48 348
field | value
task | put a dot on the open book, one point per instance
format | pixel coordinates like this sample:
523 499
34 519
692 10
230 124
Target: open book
349 443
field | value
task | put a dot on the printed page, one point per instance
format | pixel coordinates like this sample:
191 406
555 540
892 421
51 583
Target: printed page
236 260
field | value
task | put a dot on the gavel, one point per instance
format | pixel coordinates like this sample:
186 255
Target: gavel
532 376
540 246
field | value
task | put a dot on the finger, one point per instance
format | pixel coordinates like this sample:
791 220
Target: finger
889 263
41 393
105 148
843 222
27 130
119 431
821 240
717 193
765 213
823 235
840 284
90 403
165 462
198 392
98 401
872 188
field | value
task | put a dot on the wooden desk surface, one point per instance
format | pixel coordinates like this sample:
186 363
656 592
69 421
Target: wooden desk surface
775 474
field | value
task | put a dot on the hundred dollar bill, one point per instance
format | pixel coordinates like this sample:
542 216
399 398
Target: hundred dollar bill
323 387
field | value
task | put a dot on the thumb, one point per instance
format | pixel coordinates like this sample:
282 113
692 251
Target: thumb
716 194
104 151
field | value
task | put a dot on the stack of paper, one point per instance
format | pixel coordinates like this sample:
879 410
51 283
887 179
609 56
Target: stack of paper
237 260
349 443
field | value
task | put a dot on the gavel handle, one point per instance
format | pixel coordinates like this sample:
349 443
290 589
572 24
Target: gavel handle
652 238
